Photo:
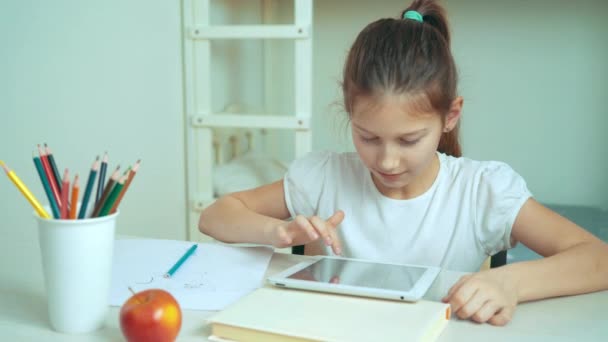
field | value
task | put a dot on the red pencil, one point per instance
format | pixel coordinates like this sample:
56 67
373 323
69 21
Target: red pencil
49 176
74 202
65 195
51 159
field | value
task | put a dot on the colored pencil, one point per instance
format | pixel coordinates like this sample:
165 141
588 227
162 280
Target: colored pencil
112 197
102 177
49 176
47 187
65 195
181 260
124 189
88 189
51 159
74 201
25 191
106 192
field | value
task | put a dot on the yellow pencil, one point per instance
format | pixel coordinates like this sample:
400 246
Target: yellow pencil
25 191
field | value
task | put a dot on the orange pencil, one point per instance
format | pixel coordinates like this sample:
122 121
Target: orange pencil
65 195
74 202
124 189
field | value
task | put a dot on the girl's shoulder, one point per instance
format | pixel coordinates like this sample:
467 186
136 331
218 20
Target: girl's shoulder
463 168
327 160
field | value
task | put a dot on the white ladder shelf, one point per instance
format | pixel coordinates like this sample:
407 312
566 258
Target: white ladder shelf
198 34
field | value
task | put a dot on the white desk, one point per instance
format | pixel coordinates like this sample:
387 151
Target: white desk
23 315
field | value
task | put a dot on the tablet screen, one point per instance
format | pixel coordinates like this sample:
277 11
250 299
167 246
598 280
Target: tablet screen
361 273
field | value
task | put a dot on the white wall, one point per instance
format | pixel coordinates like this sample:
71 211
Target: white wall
88 77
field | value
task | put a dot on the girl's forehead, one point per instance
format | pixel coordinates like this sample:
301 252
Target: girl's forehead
411 107
393 117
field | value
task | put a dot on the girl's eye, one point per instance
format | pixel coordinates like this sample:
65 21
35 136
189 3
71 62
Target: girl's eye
409 142
366 139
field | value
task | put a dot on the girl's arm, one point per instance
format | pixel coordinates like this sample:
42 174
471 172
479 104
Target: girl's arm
575 262
258 216
246 216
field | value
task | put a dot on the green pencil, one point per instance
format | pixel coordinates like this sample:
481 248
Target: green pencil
106 192
47 187
112 197
88 189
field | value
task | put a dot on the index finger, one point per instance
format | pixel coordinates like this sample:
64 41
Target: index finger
454 288
333 222
461 296
336 218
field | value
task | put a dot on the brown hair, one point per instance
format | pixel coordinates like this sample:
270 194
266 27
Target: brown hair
406 56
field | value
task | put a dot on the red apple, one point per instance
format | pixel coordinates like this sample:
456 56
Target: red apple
150 316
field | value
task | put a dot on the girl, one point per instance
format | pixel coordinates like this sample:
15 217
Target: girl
407 195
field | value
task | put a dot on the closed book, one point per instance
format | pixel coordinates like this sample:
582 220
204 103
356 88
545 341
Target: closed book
270 315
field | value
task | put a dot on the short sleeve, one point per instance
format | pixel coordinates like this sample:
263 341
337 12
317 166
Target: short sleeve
304 182
501 193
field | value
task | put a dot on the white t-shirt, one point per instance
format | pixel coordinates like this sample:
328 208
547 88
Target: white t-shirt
465 216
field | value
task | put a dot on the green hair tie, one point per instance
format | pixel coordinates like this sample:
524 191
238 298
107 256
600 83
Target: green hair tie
414 15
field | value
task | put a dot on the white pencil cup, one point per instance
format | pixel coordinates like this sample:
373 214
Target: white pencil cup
77 266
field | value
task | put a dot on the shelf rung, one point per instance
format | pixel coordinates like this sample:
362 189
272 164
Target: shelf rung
250 31
253 121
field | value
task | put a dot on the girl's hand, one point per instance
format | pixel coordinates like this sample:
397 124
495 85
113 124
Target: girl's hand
304 230
483 297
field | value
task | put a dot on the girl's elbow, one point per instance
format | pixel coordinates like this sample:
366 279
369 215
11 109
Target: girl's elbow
202 227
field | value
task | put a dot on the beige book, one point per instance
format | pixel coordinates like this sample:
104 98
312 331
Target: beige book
270 314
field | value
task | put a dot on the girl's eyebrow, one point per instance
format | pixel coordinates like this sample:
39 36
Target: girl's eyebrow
408 134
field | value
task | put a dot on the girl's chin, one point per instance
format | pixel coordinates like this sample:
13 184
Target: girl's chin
392 181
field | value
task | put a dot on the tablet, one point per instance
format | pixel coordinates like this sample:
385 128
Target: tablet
359 278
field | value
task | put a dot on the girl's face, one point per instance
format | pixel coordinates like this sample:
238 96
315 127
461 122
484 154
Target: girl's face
397 142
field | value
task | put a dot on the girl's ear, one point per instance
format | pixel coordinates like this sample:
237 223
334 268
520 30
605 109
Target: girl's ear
451 120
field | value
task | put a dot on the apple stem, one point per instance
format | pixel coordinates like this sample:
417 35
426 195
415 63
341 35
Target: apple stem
135 295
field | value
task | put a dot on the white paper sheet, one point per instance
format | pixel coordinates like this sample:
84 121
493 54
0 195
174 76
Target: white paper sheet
210 279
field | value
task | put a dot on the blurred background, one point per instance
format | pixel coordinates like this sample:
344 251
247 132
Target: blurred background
89 77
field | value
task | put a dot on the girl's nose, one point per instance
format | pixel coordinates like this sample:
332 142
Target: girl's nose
388 160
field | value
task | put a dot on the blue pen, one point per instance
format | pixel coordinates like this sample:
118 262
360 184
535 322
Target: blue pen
181 260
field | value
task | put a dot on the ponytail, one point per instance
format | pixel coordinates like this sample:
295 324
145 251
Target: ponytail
432 14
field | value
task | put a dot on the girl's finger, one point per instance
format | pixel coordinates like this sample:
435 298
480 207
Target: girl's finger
336 244
461 296
328 232
321 227
305 225
503 316
283 237
333 222
455 288
472 305
487 311
336 218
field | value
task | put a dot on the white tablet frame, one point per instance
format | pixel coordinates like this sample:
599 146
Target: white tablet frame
414 294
